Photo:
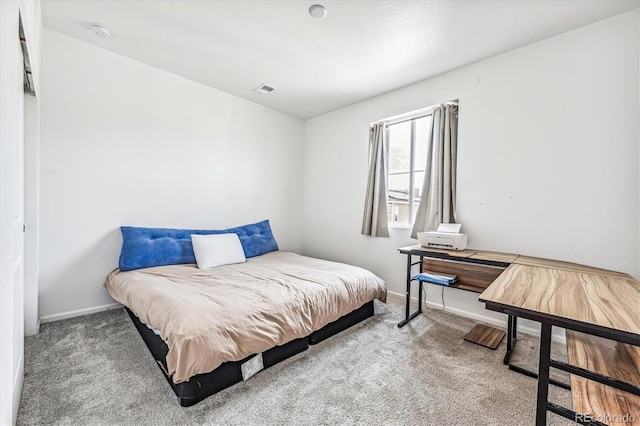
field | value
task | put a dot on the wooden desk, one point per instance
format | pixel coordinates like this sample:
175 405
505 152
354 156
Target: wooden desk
475 269
581 299
565 266
592 301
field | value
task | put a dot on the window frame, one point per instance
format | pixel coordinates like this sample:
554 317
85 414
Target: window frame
412 171
397 119
412 117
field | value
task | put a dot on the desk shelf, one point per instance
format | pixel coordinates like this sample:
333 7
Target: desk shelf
609 358
468 287
471 276
458 285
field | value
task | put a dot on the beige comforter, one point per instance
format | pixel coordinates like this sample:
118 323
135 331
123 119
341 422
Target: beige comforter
227 313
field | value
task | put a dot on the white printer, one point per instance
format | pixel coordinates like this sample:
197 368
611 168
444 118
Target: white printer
447 236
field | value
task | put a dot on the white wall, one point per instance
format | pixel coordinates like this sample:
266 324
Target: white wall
123 143
548 158
12 136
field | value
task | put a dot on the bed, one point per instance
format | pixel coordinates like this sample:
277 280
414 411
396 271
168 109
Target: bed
208 329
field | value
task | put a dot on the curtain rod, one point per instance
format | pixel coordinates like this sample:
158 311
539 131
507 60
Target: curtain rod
423 112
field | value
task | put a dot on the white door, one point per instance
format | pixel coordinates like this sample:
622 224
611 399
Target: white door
11 217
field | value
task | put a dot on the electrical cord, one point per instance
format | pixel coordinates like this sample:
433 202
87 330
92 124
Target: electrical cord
424 299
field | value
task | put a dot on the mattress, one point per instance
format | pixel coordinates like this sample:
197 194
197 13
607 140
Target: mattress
209 317
229 373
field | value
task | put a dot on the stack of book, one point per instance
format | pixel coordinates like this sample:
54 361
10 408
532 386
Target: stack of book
436 278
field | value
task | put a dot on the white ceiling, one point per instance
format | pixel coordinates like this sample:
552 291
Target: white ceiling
362 48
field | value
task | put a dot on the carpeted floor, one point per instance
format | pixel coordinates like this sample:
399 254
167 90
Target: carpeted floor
96 370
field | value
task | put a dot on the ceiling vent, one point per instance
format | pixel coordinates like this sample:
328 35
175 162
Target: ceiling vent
263 89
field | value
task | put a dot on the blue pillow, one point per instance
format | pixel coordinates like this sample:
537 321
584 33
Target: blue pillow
146 247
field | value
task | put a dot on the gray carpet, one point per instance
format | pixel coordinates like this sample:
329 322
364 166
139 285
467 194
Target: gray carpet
96 370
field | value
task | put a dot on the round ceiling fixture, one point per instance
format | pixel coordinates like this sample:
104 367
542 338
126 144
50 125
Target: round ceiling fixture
100 30
317 11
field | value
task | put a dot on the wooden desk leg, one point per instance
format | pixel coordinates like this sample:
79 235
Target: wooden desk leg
543 375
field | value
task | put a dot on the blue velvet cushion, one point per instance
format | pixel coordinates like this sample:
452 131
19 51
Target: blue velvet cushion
146 247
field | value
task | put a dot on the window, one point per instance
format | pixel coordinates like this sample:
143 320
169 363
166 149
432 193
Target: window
408 140
399 149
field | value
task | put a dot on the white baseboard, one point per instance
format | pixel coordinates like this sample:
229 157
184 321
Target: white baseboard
557 336
79 312
17 389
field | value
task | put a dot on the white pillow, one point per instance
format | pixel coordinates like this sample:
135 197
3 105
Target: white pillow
217 249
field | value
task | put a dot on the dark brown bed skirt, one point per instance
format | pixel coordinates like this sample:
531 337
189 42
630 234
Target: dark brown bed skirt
201 386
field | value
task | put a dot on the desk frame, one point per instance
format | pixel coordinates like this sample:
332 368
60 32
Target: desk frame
546 362
512 320
421 253
410 264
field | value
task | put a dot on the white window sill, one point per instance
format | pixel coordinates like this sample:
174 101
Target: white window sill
399 226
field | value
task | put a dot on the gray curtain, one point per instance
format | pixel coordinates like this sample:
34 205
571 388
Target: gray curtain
374 219
438 201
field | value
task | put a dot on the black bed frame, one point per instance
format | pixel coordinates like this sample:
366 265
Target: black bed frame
229 373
